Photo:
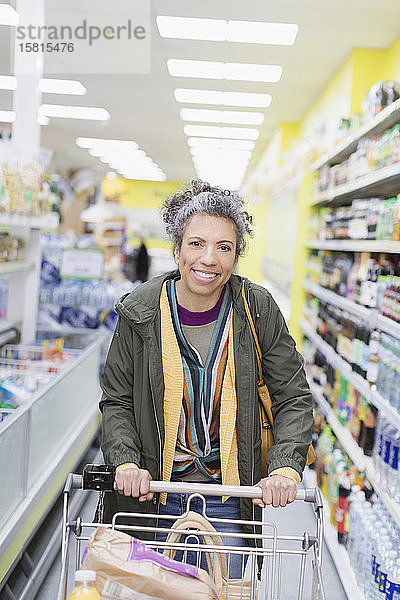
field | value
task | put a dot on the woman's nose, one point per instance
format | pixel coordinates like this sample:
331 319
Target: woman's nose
209 256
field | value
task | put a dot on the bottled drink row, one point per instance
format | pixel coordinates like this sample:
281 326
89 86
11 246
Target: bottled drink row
371 280
372 354
362 522
364 219
351 408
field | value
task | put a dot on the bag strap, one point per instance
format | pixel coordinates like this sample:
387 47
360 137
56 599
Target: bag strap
253 331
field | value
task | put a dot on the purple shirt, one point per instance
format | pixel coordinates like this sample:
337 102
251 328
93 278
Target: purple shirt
188 317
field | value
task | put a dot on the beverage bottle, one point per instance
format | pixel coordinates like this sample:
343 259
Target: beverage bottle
84 586
393 583
393 470
341 506
372 370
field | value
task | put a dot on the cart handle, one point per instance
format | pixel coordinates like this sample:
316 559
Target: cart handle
312 495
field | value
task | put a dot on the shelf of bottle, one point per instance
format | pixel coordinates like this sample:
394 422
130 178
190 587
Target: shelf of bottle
379 246
388 117
371 316
364 464
385 181
49 221
360 384
337 551
343 435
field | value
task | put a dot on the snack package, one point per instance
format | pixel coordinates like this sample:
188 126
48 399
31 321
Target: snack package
123 559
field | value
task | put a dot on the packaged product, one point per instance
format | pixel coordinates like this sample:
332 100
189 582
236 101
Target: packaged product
117 556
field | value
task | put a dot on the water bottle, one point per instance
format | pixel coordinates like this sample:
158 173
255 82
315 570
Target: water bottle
393 482
393 582
84 586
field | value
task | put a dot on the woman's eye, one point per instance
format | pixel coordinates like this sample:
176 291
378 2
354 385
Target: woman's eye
195 243
226 248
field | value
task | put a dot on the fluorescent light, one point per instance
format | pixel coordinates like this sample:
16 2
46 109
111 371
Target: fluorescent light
222 116
196 68
8 15
251 72
7 116
85 142
254 32
194 142
42 120
74 112
62 86
242 133
146 178
222 98
8 82
217 30
219 70
193 29
243 155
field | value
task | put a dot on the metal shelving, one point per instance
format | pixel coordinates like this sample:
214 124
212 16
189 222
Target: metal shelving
386 246
363 463
360 384
337 551
388 117
371 316
385 181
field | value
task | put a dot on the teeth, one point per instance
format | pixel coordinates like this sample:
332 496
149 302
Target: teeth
206 275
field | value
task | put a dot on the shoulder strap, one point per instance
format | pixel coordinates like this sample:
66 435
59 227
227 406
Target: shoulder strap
253 331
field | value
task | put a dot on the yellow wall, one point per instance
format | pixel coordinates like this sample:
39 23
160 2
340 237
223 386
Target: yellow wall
367 65
392 61
139 194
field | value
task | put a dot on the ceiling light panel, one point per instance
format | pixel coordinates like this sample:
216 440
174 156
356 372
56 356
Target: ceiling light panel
74 112
253 32
8 82
240 133
62 86
123 156
195 142
8 15
189 96
218 70
217 30
192 29
222 116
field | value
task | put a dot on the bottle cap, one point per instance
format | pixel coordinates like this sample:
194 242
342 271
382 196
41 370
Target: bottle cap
85 575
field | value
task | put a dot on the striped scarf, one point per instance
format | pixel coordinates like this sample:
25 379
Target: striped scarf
198 444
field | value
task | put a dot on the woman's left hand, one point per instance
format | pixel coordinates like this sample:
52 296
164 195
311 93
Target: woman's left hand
276 490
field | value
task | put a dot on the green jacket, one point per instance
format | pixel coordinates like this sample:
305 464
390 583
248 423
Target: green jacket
133 389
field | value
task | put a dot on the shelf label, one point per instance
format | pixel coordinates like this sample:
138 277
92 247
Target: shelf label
82 263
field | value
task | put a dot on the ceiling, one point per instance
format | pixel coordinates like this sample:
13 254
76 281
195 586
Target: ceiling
143 107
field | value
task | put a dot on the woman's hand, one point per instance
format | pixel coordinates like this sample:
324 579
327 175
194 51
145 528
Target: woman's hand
135 483
276 490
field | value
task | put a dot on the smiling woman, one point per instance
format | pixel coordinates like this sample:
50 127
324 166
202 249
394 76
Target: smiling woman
180 397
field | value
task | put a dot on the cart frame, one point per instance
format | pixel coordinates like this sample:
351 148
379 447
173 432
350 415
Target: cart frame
274 547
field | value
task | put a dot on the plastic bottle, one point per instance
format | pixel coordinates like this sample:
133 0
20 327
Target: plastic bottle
84 586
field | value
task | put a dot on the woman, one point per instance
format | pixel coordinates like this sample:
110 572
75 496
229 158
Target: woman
180 382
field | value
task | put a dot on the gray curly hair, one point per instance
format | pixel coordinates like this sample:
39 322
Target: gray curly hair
200 197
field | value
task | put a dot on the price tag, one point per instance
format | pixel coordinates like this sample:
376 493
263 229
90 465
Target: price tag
82 263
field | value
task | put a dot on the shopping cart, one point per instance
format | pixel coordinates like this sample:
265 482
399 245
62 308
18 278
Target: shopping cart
276 550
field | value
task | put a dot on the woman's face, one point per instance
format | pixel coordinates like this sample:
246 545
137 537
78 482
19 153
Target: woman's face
206 260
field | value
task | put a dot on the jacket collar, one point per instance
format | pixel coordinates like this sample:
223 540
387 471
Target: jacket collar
141 306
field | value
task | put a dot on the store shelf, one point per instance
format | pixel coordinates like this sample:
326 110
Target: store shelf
382 121
371 316
49 221
344 436
15 266
337 551
382 182
330 297
386 246
360 384
364 464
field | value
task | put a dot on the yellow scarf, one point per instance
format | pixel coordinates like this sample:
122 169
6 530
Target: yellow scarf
173 394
